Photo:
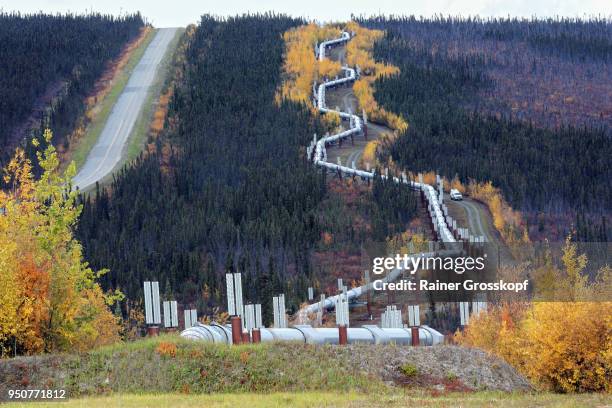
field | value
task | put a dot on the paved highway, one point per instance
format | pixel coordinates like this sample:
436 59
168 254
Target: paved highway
108 150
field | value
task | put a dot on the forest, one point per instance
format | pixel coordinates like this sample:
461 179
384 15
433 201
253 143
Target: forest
450 70
48 65
229 188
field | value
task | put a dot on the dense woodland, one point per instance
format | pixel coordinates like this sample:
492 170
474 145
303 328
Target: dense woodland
443 89
550 72
48 64
230 189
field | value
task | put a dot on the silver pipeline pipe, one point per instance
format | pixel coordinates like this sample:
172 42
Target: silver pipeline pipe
437 215
368 334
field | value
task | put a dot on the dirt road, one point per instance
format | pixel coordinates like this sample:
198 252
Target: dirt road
108 150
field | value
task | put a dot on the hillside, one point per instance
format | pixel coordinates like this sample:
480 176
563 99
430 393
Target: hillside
227 186
520 103
48 65
168 371
170 364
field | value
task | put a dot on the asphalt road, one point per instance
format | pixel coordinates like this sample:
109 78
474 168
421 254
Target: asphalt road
108 150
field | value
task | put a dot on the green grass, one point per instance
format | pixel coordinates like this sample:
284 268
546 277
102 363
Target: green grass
138 136
328 399
197 367
136 374
94 129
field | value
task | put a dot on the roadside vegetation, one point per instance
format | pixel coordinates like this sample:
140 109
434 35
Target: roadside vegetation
50 299
562 341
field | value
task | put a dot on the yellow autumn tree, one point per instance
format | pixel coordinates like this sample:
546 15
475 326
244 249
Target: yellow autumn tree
565 346
359 53
49 297
301 68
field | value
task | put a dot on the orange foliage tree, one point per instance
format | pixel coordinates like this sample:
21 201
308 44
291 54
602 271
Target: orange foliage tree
301 67
49 297
359 53
565 346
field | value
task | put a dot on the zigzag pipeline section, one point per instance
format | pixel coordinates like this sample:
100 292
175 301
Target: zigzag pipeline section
317 153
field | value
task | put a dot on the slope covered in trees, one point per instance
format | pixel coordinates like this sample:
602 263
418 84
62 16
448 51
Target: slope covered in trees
549 72
49 64
448 71
228 187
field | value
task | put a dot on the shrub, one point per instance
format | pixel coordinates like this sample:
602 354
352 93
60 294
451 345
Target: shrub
409 370
562 346
166 349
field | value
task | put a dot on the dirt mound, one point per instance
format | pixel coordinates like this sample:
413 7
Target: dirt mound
451 367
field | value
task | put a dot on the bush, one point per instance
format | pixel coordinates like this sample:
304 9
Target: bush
166 349
562 346
409 370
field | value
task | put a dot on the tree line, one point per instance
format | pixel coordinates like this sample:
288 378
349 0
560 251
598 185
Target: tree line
49 64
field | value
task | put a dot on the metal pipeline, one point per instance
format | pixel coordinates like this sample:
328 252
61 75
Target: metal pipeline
368 334
330 302
356 126
438 218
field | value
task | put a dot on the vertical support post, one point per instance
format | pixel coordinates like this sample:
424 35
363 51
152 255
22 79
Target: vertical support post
187 314
148 303
194 317
258 322
156 305
414 321
236 330
464 313
342 335
415 336
368 295
167 316
231 297
256 335
282 310
152 308
275 311
239 302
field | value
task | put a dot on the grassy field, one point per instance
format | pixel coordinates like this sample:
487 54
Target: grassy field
105 106
326 399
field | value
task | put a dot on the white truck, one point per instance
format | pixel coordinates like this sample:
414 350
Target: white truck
455 195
